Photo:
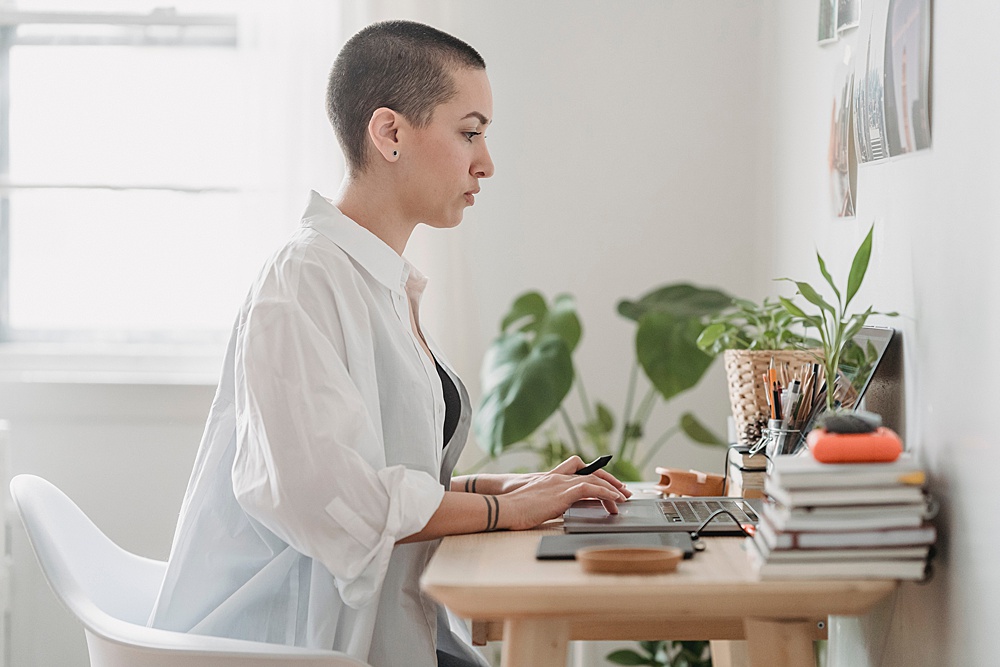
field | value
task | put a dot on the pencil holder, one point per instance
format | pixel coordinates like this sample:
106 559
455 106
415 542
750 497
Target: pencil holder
779 441
747 393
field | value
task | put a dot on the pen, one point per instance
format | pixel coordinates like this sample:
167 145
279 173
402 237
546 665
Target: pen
594 465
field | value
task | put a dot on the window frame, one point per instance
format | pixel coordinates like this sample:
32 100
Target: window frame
159 27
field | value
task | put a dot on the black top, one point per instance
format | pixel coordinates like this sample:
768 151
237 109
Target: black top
452 403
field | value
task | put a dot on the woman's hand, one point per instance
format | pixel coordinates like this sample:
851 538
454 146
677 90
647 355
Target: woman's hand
567 467
547 495
517 502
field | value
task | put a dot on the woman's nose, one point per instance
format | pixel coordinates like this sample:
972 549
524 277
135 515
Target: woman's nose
484 167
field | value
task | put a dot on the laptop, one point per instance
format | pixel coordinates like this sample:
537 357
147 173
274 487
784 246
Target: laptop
688 514
645 515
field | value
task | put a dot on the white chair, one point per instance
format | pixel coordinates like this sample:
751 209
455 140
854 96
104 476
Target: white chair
111 591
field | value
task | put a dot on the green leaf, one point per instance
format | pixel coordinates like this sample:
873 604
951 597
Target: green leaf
524 382
697 431
628 657
826 274
633 431
667 350
859 266
605 418
813 297
710 334
531 314
790 306
624 470
679 299
562 321
651 647
531 305
855 324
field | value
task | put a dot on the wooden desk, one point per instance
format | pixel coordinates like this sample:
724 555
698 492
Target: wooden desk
494 577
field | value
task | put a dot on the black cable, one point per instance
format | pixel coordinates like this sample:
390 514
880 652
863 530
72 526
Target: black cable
697 533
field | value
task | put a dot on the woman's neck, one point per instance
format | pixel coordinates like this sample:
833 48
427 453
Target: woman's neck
366 203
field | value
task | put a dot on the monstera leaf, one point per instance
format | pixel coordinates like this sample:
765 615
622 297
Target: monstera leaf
670 320
527 370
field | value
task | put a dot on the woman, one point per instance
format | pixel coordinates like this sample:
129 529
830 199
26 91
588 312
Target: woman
323 480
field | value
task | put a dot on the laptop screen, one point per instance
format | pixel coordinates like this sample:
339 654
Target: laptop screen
858 365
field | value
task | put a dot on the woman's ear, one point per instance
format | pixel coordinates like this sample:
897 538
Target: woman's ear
383 131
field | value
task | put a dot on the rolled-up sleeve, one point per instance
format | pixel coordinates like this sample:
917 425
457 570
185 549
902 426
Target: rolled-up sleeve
307 463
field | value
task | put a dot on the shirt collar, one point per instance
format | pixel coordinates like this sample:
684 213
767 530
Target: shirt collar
371 252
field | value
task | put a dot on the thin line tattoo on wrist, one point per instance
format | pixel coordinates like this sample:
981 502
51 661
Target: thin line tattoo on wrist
492 512
470 483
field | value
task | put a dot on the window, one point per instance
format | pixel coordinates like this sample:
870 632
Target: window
147 163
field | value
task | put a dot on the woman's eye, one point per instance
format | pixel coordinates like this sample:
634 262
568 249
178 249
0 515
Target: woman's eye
470 135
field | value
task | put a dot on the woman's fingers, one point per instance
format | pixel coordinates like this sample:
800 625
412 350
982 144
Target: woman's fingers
609 500
569 466
602 492
608 477
610 505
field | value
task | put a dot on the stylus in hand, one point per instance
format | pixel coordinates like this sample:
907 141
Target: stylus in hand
594 465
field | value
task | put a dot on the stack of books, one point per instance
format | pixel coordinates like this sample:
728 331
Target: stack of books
746 473
844 521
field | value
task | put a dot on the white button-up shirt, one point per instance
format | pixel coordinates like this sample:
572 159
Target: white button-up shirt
323 448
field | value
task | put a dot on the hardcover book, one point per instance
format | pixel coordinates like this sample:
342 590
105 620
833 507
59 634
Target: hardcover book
801 539
801 472
861 495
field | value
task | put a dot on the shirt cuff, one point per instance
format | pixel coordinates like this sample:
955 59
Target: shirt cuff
413 497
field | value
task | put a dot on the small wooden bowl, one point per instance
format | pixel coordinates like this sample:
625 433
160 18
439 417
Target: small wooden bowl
629 560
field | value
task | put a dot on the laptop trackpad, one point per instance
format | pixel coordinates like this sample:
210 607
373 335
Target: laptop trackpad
592 509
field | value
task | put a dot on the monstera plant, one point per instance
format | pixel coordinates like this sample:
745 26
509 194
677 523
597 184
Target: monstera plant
528 374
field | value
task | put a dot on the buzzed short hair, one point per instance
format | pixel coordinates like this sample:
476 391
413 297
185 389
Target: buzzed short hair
402 65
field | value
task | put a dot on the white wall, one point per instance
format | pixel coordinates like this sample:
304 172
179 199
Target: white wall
935 216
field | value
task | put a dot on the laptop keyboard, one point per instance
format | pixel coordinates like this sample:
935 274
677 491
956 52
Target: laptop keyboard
691 510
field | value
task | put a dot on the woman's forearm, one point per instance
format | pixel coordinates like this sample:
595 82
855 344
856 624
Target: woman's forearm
532 500
489 483
461 513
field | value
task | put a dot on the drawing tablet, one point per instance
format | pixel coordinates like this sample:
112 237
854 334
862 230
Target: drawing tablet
563 547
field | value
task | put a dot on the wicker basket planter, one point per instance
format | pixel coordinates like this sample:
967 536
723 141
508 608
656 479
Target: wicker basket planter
745 370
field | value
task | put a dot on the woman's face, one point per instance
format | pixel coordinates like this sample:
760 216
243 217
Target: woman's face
442 163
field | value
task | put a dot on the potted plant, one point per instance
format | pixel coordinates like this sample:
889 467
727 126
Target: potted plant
528 373
836 325
665 654
753 337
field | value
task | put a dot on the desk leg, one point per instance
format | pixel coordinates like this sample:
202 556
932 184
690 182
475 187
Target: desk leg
729 653
773 643
535 642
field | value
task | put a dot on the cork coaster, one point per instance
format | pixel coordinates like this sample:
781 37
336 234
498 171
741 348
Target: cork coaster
629 560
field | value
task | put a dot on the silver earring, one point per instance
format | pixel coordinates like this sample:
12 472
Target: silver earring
395 153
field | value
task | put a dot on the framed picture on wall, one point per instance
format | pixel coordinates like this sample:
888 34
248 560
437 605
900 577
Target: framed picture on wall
827 21
907 76
843 161
869 84
848 14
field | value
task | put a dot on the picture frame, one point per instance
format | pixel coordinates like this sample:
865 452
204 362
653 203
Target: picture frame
848 14
827 31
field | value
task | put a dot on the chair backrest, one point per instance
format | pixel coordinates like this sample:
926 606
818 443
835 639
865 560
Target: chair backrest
112 591
86 570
